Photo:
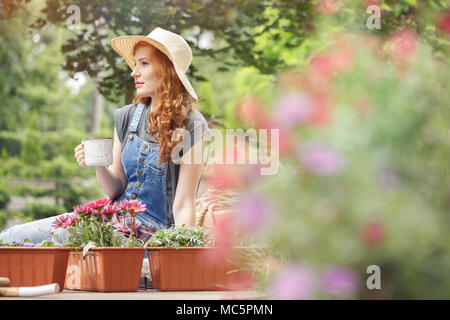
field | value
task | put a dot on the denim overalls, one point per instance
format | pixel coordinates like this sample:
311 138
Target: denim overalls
146 182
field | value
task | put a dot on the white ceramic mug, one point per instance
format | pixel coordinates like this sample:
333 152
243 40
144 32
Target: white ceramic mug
98 152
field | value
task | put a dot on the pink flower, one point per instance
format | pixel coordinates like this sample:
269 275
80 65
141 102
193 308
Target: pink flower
110 210
82 209
226 176
252 113
133 207
368 3
292 109
403 43
254 212
444 22
323 65
342 58
292 283
97 206
321 159
65 221
72 219
340 282
224 239
329 7
59 221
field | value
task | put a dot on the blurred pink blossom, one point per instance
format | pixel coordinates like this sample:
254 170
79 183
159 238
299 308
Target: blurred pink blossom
342 56
387 179
403 43
444 22
329 7
339 282
292 109
321 159
295 282
254 211
252 112
371 2
322 64
226 176
286 142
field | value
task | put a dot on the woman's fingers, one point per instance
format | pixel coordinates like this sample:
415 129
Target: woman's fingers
79 155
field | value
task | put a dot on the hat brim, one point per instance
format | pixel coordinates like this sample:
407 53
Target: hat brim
124 46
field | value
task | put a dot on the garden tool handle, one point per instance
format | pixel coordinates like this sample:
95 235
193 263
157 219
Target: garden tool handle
4 282
29 291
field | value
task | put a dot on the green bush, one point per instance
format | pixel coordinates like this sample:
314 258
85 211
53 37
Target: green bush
5 216
37 210
4 198
72 195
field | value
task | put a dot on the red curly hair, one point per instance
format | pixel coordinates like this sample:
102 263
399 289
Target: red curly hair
174 104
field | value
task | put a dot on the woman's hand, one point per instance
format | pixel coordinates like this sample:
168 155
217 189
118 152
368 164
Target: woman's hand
79 155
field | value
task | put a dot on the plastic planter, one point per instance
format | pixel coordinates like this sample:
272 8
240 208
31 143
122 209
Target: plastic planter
187 268
105 269
34 266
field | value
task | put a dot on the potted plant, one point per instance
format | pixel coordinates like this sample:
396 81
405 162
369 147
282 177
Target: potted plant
28 264
182 258
101 258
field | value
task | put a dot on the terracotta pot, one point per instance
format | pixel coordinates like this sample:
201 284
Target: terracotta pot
26 266
105 269
187 268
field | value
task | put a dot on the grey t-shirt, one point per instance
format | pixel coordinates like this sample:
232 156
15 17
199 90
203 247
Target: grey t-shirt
122 120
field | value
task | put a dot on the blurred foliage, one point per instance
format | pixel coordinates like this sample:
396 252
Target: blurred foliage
38 210
363 178
4 199
241 27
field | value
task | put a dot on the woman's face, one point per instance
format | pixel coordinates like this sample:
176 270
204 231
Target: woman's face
144 73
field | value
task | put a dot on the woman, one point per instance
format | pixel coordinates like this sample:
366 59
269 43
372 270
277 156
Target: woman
143 150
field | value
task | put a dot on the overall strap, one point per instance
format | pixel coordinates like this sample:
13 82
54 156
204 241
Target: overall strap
136 118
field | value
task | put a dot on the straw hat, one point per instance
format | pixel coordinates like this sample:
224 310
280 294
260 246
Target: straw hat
171 44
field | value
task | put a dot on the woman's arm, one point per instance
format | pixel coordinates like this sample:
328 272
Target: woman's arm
113 179
189 176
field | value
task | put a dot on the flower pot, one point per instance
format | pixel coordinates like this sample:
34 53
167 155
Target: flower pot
32 266
187 268
105 269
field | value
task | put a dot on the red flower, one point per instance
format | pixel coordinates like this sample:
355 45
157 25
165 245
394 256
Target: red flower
97 206
373 233
133 207
444 22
